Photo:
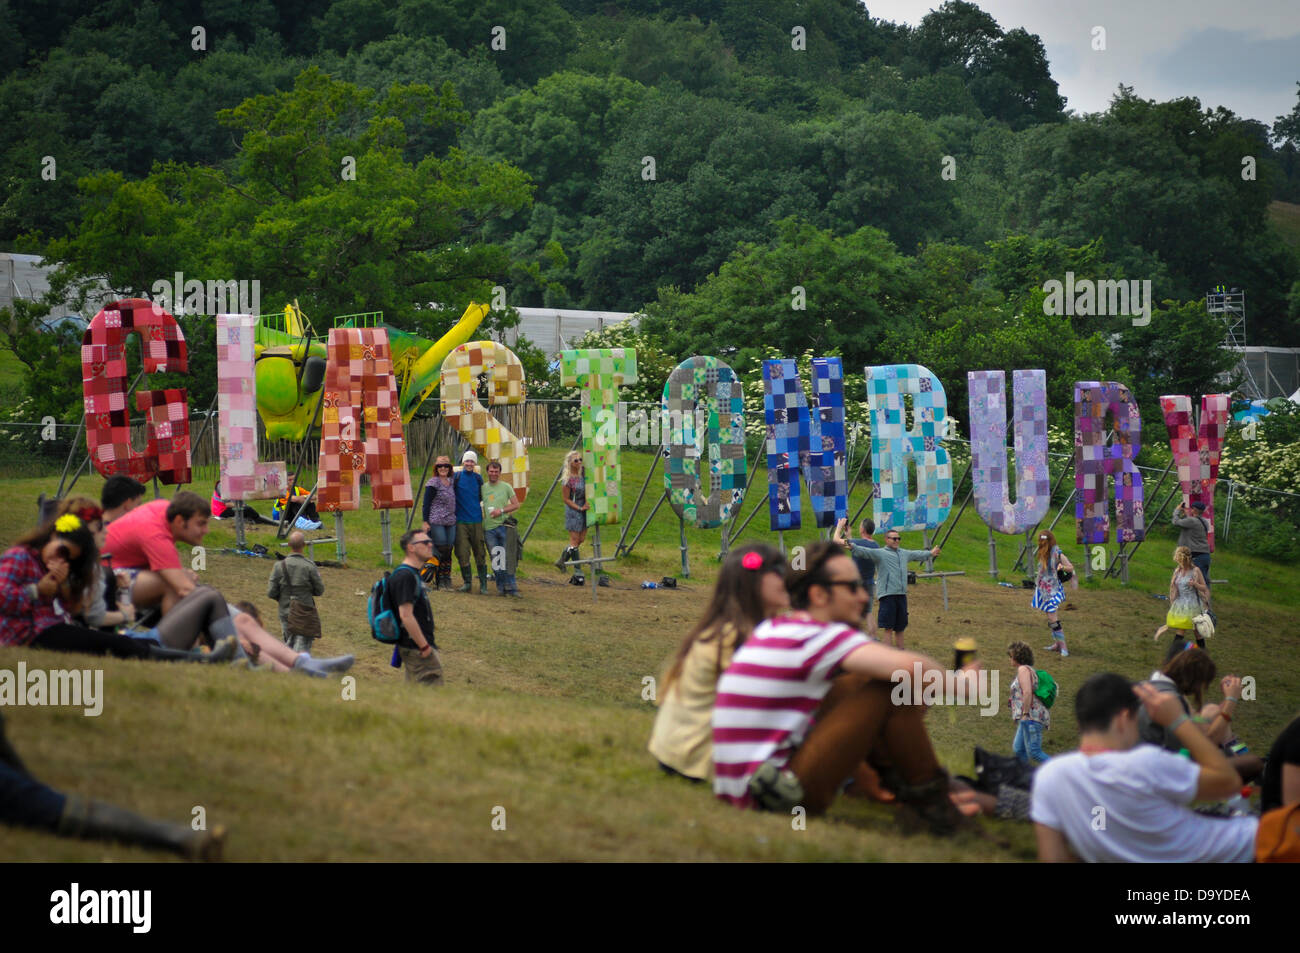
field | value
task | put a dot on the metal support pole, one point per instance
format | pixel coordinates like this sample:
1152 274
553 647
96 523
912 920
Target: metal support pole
627 524
722 553
386 535
1124 546
780 535
858 475
686 559
203 431
428 458
340 548
545 499
1051 526
752 514
595 565
660 502
241 540
740 503
960 510
993 555
1227 512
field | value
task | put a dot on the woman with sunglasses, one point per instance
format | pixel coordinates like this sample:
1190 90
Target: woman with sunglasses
750 588
440 518
574 492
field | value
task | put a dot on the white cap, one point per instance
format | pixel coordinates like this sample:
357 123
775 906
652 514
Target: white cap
470 455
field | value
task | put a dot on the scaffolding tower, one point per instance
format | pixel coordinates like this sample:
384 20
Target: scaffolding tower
1230 306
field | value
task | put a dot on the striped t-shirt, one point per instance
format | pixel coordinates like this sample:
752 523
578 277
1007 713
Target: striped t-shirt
769 694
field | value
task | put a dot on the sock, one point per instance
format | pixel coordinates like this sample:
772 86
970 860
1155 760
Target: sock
323 667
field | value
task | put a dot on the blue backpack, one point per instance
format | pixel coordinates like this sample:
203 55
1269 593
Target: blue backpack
385 626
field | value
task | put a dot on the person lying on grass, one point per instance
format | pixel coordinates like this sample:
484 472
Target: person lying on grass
51 572
808 698
143 543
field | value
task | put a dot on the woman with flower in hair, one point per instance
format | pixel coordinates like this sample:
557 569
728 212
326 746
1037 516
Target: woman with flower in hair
50 573
750 588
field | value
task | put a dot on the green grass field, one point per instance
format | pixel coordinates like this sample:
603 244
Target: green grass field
544 719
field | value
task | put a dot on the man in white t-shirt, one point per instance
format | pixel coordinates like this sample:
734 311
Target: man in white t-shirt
807 698
1118 800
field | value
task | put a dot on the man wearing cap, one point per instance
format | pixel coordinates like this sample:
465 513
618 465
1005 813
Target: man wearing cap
1194 533
468 483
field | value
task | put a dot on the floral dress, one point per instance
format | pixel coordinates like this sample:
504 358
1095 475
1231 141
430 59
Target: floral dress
1037 709
1048 590
1187 605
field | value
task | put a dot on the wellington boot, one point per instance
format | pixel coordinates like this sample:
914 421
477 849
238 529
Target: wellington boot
97 820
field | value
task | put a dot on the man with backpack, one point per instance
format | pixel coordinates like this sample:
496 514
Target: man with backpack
410 603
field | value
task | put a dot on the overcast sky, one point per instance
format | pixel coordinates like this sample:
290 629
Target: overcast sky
1244 55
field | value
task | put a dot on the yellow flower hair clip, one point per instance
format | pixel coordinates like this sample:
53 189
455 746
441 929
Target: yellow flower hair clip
67 523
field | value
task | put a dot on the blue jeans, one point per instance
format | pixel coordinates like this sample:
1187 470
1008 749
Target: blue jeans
1028 744
496 546
26 802
442 535
1202 562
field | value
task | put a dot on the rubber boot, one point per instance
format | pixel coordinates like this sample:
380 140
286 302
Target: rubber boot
444 568
224 651
97 820
926 806
564 557
469 582
482 584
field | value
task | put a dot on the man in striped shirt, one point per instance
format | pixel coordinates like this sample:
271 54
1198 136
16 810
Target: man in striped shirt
807 699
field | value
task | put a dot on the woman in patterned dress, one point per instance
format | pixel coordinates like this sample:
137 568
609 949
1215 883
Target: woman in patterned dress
1189 596
1049 591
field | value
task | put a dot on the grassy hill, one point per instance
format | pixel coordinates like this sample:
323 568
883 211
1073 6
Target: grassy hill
544 714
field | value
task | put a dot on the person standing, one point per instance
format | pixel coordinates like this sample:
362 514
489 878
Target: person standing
866 568
1049 588
295 579
499 501
415 646
1028 711
1194 533
891 563
574 490
1189 596
469 523
440 517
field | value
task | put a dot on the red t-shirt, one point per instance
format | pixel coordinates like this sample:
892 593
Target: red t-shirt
142 540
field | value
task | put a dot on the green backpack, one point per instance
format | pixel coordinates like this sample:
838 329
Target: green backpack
1047 689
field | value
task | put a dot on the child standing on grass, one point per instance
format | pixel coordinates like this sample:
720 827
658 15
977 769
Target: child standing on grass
1030 715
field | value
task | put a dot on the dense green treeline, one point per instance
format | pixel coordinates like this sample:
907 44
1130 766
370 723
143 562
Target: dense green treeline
710 163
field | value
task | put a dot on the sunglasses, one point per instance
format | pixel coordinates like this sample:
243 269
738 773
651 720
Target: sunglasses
439 466
853 584
893 538
421 542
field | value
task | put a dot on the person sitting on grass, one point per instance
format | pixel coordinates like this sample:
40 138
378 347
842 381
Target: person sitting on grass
26 802
143 542
49 573
1190 673
1140 793
221 510
808 698
750 588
